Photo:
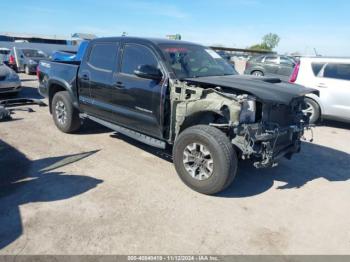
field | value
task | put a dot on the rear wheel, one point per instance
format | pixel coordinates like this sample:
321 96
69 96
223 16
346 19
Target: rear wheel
312 110
65 115
257 73
204 159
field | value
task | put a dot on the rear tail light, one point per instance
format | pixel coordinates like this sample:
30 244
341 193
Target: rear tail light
294 75
37 72
12 60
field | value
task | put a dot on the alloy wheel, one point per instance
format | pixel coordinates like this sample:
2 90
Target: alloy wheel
198 161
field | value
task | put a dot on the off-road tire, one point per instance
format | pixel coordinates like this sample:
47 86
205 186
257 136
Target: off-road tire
222 152
72 120
315 117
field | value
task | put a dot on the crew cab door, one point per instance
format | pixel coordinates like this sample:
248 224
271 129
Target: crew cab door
95 80
138 100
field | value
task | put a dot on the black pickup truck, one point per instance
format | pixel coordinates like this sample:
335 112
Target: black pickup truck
181 95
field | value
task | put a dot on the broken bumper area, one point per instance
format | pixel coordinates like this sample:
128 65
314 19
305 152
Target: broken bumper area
267 143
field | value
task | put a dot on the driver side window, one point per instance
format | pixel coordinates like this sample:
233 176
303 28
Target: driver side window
135 55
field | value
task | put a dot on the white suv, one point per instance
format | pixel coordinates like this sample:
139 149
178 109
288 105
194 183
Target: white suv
331 76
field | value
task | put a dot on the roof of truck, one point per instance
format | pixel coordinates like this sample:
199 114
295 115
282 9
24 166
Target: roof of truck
156 41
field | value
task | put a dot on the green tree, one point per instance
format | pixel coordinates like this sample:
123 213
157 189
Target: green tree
269 42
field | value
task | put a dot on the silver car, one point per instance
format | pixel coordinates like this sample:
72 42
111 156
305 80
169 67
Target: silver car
331 76
9 80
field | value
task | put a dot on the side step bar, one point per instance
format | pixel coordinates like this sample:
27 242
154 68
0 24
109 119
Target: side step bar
130 133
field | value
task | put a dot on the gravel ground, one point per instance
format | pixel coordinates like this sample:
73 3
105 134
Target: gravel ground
97 192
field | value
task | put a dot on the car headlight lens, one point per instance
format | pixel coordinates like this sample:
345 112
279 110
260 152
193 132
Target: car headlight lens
31 62
248 112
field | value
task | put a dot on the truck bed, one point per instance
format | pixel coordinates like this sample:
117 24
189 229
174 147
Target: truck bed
62 71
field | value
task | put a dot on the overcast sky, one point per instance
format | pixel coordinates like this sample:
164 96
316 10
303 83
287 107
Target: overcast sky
301 24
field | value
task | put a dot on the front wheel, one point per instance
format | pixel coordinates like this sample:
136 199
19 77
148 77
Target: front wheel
204 159
65 115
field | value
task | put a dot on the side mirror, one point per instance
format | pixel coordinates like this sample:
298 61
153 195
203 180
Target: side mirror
149 72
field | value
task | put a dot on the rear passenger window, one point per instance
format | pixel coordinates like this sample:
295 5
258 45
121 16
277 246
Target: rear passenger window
316 68
271 59
257 59
286 61
135 55
337 71
103 55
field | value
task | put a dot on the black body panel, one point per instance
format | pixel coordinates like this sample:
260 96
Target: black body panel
265 89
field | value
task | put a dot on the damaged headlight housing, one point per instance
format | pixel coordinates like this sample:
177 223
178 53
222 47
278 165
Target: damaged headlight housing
248 112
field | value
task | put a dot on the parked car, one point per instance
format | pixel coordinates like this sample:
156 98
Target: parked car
175 93
331 76
225 55
270 65
65 56
9 80
26 59
4 55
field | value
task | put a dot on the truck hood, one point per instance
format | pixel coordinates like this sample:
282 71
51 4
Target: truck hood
263 88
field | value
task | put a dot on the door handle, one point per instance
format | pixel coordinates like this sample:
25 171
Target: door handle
119 85
322 85
85 77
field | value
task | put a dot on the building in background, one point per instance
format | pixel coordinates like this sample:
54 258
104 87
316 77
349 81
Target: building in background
46 43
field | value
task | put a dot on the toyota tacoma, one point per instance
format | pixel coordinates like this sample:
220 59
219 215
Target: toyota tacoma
181 95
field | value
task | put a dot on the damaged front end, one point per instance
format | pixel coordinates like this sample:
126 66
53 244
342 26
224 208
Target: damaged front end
261 131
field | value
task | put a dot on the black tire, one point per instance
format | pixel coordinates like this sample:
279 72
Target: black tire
26 70
257 73
62 102
316 112
221 150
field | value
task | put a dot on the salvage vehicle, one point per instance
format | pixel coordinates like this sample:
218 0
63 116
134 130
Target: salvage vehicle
9 80
181 95
26 59
331 76
270 65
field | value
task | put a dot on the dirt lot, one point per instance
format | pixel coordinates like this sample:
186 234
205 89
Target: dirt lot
96 192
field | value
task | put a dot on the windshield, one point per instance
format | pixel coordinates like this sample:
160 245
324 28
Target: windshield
190 61
33 53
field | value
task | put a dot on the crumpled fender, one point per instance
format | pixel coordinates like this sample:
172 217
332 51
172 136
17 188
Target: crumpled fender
188 100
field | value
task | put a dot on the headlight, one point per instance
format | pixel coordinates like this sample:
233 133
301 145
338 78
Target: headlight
248 112
32 62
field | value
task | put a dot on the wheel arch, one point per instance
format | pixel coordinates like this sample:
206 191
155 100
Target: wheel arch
204 118
257 68
56 85
317 100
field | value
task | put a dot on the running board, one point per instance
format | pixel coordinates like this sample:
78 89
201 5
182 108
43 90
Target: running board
130 133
